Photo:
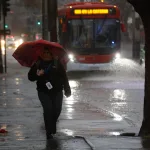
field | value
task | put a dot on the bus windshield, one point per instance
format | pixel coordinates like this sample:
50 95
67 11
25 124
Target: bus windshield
94 33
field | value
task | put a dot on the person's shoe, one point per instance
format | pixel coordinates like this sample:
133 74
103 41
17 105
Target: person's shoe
49 136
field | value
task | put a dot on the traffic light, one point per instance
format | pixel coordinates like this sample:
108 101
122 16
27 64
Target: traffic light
38 22
6 7
6 26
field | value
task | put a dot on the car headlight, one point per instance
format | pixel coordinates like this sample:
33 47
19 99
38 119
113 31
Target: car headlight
20 41
71 57
2 42
16 43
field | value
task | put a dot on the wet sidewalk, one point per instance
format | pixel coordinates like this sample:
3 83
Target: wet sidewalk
80 126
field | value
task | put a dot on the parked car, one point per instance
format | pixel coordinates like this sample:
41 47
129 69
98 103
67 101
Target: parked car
10 43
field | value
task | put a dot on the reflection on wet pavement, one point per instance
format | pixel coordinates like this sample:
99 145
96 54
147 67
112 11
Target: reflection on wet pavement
96 108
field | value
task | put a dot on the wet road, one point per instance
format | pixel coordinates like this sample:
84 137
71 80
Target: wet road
117 92
102 103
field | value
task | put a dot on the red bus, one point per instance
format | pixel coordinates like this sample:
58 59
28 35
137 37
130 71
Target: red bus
91 32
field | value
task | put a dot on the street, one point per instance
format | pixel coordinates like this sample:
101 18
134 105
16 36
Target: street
103 103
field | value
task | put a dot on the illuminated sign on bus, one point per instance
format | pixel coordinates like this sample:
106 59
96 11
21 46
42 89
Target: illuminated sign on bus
93 11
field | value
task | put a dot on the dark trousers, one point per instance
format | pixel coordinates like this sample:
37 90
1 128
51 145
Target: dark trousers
52 105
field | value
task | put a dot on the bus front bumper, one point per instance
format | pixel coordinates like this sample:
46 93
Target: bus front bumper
72 66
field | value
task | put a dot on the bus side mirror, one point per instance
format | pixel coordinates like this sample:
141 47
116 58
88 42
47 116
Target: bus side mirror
123 28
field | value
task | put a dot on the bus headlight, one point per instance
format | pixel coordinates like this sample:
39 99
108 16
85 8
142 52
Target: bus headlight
117 56
71 57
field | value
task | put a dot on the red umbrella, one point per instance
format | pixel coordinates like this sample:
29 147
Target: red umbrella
27 53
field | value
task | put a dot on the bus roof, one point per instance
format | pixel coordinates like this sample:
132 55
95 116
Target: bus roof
80 4
65 9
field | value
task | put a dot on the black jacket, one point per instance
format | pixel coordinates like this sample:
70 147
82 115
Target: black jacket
56 75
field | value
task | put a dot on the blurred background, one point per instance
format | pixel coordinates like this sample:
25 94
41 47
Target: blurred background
30 20
25 18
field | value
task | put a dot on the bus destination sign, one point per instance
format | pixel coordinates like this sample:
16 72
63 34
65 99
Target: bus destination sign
93 11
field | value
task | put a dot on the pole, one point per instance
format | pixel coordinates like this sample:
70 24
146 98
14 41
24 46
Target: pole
52 19
133 33
136 36
4 22
44 19
1 60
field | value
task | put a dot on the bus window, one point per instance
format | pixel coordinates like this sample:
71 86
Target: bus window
62 32
90 33
80 33
106 32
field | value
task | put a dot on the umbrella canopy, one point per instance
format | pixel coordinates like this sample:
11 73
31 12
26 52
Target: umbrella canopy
28 52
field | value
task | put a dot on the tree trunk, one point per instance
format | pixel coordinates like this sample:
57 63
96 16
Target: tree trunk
145 128
142 7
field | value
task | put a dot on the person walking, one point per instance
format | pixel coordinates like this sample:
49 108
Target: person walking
51 80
